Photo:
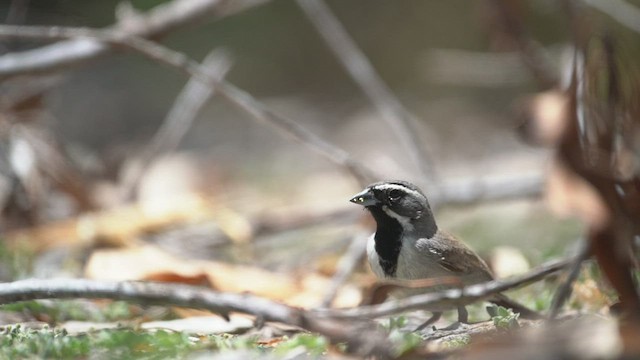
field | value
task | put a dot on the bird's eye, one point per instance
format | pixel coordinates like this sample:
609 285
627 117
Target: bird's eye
395 194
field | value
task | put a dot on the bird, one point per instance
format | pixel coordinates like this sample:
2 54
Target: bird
409 245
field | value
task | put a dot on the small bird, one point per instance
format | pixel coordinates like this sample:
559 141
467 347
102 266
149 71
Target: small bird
408 245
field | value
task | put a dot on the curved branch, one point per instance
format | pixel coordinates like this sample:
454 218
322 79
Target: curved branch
364 341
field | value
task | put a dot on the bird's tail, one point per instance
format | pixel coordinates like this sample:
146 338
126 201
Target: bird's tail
525 312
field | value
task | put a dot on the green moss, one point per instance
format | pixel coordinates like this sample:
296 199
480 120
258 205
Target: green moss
457 342
20 343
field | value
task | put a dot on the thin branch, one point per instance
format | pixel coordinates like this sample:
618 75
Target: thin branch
449 298
156 22
533 55
364 341
347 264
288 127
193 97
186 65
401 121
17 12
564 291
491 188
357 332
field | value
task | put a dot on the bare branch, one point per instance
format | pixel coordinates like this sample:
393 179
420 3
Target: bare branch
401 121
491 188
564 291
295 131
347 264
188 104
356 331
452 298
158 21
188 66
365 341
533 55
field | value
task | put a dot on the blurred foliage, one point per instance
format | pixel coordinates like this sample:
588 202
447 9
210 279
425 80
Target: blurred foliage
503 318
403 340
15 263
20 343
310 344
65 310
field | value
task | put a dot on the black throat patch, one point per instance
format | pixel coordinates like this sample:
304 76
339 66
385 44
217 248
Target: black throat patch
388 240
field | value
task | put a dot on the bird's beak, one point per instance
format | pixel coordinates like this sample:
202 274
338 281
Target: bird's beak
364 198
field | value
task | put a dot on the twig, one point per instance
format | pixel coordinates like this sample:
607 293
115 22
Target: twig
295 131
17 11
178 121
347 264
156 22
328 322
365 341
621 11
186 65
531 52
564 291
491 188
452 298
363 73
51 160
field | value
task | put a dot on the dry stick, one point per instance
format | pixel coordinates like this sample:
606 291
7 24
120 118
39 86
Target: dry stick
156 22
360 335
320 320
478 189
363 73
193 97
186 65
367 342
452 298
299 133
564 291
347 264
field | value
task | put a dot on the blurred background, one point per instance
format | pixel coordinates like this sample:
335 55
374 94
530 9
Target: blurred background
258 198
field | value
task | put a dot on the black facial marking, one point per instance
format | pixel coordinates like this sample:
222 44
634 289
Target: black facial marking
388 240
395 194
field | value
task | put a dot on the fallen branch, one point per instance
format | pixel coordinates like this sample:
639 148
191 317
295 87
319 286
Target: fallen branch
223 303
357 332
452 298
365 341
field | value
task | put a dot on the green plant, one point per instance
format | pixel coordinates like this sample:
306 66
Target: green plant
314 345
503 318
457 342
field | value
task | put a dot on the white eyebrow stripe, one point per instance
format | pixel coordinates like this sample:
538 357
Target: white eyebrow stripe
398 187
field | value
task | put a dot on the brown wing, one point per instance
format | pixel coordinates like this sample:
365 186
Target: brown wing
456 257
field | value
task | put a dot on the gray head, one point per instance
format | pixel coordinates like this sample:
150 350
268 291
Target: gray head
399 199
402 213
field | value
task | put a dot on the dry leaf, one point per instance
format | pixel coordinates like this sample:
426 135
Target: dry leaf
151 263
